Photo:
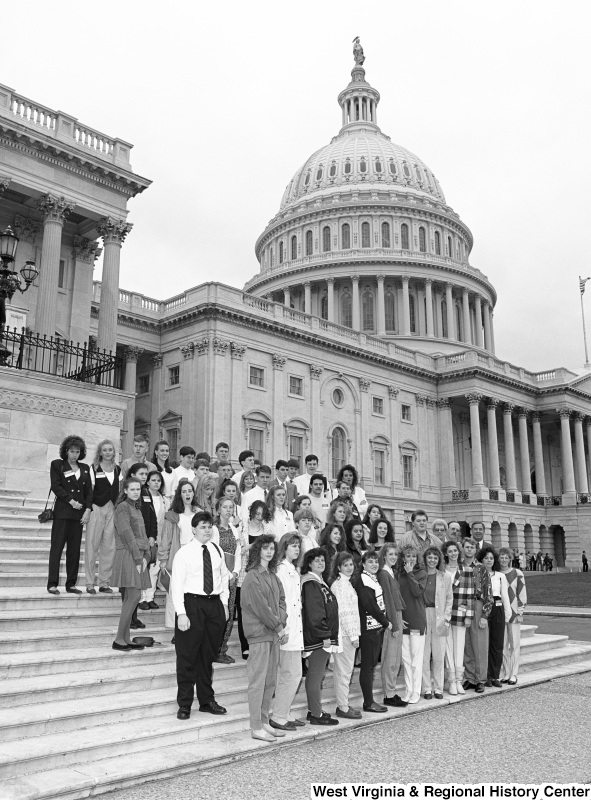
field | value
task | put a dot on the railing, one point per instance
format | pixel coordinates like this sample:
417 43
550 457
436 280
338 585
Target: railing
541 501
456 359
526 498
554 500
59 357
583 498
510 497
460 494
176 302
546 376
493 494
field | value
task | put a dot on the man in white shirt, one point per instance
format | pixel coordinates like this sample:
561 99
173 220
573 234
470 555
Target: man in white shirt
185 468
303 481
140 448
200 590
258 492
281 479
246 461
319 498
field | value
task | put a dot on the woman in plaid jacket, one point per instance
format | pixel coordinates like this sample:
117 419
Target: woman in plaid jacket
462 613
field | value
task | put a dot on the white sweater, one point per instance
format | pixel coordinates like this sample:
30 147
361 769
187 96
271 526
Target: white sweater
290 579
349 624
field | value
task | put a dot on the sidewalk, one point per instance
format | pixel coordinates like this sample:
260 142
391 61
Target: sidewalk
558 611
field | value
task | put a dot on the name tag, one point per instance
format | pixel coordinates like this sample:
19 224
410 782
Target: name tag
101 475
498 602
69 473
147 499
415 633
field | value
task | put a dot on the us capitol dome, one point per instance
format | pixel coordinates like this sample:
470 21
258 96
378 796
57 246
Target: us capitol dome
364 239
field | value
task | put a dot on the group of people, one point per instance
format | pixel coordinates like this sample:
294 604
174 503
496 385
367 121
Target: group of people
311 572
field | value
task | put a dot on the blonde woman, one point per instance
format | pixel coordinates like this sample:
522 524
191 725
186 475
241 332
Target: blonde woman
518 600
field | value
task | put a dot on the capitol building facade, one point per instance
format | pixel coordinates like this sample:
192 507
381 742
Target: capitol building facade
366 337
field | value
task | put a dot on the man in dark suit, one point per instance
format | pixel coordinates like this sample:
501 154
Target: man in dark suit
281 479
477 533
72 487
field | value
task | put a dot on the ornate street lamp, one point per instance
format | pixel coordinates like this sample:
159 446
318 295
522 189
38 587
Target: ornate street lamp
10 281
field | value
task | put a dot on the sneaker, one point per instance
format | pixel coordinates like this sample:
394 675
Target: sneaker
350 713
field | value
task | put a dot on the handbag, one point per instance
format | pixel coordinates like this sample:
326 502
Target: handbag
153 555
47 514
164 579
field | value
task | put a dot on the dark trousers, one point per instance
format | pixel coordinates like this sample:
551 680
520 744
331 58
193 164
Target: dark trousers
197 648
496 636
241 636
370 645
64 531
585 566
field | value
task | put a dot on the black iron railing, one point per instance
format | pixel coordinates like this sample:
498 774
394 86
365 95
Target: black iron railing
60 357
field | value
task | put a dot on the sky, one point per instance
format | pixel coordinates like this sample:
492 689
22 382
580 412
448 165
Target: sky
224 102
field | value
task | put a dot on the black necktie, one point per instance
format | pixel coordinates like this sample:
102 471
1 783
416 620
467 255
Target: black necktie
265 494
207 571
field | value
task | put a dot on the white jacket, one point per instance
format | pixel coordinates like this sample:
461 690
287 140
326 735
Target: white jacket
290 579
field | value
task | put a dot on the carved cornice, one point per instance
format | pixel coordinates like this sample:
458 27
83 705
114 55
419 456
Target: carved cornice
315 372
279 362
364 384
564 412
579 416
237 351
188 350
524 412
54 209
536 416
84 249
430 401
156 361
445 403
508 408
51 406
220 347
26 228
473 398
493 403
132 353
113 231
4 183
201 345
393 392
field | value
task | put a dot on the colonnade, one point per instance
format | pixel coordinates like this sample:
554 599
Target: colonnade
442 310
55 210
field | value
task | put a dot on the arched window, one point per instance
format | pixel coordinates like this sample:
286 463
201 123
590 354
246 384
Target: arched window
392 167
319 174
365 240
324 307
346 310
307 179
413 314
362 165
422 240
378 166
308 243
406 171
390 304
450 250
367 310
348 166
294 248
437 243
326 239
444 332
338 442
281 252
333 169
346 236
385 234
404 236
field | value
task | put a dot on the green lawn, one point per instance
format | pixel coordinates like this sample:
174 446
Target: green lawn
559 589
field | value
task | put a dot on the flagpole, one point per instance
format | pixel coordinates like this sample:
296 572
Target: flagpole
582 284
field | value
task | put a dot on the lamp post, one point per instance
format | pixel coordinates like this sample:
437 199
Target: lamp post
10 281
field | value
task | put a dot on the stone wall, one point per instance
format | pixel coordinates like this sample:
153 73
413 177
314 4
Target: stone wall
38 411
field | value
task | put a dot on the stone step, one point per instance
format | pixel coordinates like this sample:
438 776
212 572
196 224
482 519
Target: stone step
41 640
67 619
569 653
25 520
33 579
19 543
24 599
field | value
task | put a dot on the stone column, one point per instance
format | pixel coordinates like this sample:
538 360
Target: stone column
538 454
156 387
568 473
356 323
466 315
85 252
492 330
478 321
449 301
582 483
279 392
524 451
131 355
487 332
446 449
493 447
429 304
330 298
307 297
317 444
287 298
478 491
396 480
55 211
588 427
113 232
381 327
236 442
405 307
510 451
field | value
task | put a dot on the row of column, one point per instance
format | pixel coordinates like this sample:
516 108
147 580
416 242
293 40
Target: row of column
570 483
113 232
483 333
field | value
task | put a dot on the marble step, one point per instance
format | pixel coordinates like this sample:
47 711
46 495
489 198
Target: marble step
19 543
25 519
13 642
36 578
26 599
60 618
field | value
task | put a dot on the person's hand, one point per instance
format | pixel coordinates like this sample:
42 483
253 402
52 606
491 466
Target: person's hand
151 541
404 624
326 643
233 579
395 634
184 622
408 567
468 623
284 639
483 622
75 504
85 517
355 643
226 612
139 568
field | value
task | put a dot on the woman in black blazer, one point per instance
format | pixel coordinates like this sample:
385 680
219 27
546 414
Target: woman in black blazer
72 487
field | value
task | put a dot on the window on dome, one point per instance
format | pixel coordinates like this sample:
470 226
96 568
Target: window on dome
444 319
390 305
294 248
412 314
346 236
362 165
450 250
367 307
419 174
422 240
319 174
326 239
346 310
348 167
281 252
271 257
307 179
378 165
385 234
437 243
406 171
365 240
392 166
404 236
324 307
333 170
308 243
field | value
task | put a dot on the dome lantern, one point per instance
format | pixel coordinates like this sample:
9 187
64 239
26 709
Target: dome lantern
359 100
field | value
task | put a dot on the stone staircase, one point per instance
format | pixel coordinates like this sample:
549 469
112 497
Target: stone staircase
79 719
